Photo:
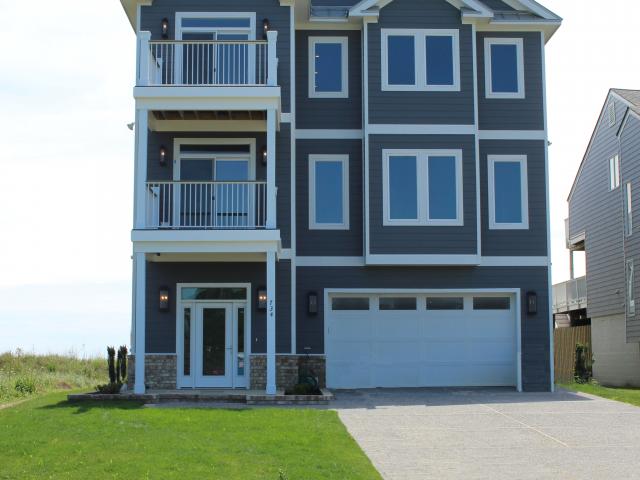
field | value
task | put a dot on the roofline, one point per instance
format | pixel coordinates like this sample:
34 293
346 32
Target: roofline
361 8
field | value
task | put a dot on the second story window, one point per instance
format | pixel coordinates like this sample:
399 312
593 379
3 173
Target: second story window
328 67
328 192
422 187
614 172
508 192
628 212
504 68
420 60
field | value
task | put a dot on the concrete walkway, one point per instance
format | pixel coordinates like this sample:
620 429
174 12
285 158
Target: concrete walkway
493 434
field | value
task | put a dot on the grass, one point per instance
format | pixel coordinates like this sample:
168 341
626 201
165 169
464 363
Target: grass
23 376
626 395
49 437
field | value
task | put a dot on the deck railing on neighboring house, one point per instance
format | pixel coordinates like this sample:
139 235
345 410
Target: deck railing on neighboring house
206 205
570 295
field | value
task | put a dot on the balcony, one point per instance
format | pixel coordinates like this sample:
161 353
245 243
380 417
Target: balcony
570 296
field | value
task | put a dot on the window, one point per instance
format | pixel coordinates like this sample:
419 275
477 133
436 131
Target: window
398 303
508 197
213 293
628 215
491 303
328 192
420 60
445 303
350 303
328 67
422 187
504 68
614 172
631 302
611 108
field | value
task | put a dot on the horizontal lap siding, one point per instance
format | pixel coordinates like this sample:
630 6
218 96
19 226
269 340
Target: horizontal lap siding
597 211
514 114
630 172
420 107
329 242
279 19
422 239
535 328
531 242
328 113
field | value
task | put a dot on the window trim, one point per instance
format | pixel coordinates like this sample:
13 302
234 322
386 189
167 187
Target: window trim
630 287
179 29
524 191
519 43
420 59
344 45
422 179
614 172
313 160
628 209
611 111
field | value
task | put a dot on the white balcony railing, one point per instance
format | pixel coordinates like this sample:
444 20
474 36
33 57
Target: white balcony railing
207 63
570 295
206 205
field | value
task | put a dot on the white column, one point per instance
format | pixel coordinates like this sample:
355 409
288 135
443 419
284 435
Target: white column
271 323
140 173
272 58
139 266
142 59
571 266
271 168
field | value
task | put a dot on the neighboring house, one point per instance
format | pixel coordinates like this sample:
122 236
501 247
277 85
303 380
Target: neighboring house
363 187
601 205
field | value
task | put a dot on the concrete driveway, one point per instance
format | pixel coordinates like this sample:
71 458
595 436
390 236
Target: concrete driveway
493 434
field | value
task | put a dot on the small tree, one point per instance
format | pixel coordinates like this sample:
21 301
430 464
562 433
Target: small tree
122 363
111 362
583 366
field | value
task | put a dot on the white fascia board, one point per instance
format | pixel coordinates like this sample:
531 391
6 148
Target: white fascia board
533 7
310 134
205 247
415 129
206 240
512 135
363 8
330 261
207 98
514 262
131 9
156 125
435 260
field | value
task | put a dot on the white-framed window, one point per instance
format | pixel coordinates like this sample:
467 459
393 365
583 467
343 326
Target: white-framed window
628 211
611 110
631 302
328 192
422 187
508 192
614 172
420 60
504 68
328 67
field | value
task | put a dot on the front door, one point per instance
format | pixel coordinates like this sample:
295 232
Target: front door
214 345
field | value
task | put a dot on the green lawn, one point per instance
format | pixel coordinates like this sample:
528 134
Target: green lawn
49 437
626 395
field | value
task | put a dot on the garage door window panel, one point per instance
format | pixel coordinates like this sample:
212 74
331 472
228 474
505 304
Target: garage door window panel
350 303
491 303
445 303
397 303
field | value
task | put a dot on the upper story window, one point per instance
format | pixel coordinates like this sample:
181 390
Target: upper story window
508 192
328 67
614 172
504 67
215 26
422 187
420 60
628 211
328 192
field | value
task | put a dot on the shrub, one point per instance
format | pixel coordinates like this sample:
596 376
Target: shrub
25 386
111 362
109 388
583 369
303 389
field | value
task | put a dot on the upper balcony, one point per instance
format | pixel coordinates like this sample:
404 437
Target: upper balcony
570 295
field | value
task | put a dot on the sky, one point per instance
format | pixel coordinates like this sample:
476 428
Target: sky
66 185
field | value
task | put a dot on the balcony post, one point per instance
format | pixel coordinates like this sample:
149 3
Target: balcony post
272 58
139 292
271 323
140 173
142 58
571 266
271 168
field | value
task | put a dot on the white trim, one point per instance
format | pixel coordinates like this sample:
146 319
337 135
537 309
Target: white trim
286 117
420 59
514 261
344 47
344 161
362 8
330 261
512 134
440 259
250 157
519 43
422 179
207 98
614 172
367 131
271 324
476 121
139 268
417 129
179 29
411 259
292 155
524 191
328 134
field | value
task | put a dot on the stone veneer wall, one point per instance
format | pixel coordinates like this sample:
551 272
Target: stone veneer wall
159 372
287 370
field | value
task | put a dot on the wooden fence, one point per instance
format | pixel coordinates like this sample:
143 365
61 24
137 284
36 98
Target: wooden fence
565 341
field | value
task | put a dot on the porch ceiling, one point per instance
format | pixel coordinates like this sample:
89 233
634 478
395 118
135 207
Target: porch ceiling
218 115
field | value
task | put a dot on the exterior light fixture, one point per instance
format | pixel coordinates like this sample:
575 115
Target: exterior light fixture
263 154
266 26
262 299
164 299
163 156
532 303
312 303
165 28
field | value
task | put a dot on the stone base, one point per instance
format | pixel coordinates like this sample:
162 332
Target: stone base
159 372
288 368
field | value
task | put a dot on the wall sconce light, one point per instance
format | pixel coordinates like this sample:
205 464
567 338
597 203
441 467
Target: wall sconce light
165 28
163 156
312 303
532 303
265 27
164 299
262 299
263 154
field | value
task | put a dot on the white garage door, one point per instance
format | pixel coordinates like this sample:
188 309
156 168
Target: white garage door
428 340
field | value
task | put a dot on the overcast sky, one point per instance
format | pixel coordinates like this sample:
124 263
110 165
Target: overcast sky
66 184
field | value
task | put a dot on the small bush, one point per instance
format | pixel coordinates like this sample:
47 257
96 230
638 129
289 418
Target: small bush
109 388
25 386
583 369
303 389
